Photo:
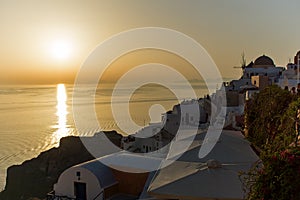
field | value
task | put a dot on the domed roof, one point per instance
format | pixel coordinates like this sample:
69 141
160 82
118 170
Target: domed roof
264 60
296 57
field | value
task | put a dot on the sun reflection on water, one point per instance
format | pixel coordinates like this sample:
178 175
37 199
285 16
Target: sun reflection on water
61 113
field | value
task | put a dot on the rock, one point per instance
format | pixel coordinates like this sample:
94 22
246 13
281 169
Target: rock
33 179
114 137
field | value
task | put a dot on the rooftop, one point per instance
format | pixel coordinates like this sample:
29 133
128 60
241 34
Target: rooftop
214 176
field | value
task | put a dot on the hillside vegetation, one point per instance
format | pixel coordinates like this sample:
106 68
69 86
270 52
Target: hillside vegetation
271 120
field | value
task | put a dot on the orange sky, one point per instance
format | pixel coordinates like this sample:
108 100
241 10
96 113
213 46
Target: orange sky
225 29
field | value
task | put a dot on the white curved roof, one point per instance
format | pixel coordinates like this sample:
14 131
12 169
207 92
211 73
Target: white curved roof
101 171
122 161
131 162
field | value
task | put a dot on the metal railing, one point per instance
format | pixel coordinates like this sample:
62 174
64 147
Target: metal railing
98 195
53 196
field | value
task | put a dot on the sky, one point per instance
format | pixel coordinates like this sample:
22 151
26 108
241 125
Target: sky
45 42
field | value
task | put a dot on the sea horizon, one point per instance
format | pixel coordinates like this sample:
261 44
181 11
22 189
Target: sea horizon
34 117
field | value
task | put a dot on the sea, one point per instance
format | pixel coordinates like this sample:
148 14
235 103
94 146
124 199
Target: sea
33 118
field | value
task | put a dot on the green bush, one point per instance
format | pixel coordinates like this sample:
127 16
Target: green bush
278 178
271 117
264 112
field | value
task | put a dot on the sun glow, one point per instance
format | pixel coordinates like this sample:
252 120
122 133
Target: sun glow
61 49
61 113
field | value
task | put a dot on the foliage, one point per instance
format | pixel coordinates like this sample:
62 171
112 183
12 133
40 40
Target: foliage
263 114
279 178
271 116
287 133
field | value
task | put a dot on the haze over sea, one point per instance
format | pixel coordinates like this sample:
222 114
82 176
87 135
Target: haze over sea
33 118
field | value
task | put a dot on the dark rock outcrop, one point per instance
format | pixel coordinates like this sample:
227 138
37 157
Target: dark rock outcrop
36 177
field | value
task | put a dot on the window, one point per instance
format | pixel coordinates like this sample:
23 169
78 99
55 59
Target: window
78 173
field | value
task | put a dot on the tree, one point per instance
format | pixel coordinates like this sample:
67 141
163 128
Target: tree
263 114
273 117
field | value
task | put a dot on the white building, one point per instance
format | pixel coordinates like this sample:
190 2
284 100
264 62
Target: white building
191 113
187 114
145 140
290 77
263 66
260 72
256 76
115 176
85 181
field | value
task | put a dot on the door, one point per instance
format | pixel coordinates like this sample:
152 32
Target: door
80 190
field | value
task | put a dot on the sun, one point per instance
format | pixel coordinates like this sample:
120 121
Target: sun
61 49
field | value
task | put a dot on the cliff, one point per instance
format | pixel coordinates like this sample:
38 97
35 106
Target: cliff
36 177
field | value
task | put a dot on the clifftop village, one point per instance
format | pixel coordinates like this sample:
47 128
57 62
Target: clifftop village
188 177
256 76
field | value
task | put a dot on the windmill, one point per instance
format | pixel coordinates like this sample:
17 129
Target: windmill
243 63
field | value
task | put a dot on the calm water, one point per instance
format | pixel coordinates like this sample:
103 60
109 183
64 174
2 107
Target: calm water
34 118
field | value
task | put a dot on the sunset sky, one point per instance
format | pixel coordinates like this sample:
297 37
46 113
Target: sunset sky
47 41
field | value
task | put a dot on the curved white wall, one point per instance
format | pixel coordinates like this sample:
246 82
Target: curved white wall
65 183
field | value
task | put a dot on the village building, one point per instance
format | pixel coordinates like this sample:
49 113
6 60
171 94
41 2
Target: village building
188 114
263 66
290 77
118 176
149 138
255 77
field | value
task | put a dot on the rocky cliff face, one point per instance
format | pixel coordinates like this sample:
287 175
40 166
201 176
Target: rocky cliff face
36 177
